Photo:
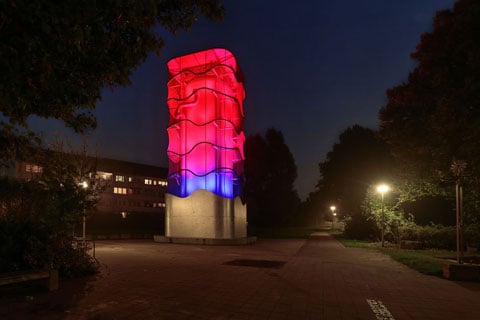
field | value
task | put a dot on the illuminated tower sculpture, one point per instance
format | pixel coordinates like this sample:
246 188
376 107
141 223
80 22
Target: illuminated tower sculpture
205 151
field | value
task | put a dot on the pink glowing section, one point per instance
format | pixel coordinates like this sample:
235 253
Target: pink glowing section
203 159
199 62
206 105
210 80
220 133
205 101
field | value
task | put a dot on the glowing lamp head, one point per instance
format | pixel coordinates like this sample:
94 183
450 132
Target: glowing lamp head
383 188
333 208
84 184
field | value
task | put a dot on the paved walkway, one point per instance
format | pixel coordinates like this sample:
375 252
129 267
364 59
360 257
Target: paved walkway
319 280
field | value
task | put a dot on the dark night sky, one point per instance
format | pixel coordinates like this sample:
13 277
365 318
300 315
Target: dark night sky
312 69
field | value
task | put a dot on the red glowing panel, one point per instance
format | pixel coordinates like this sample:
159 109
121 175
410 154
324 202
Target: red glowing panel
205 101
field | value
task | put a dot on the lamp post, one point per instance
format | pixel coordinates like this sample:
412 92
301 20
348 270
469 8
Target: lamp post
333 214
458 169
383 188
84 185
459 220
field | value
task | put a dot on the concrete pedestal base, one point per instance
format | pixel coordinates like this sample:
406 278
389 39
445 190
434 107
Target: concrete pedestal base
203 216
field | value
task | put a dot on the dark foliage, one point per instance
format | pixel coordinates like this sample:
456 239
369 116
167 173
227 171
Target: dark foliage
433 119
38 216
56 57
361 227
270 172
431 209
357 161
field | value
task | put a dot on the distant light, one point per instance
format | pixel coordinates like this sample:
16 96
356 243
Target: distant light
124 214
333 208
383 188
84 184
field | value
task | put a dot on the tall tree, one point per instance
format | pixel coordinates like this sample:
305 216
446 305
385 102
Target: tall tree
255 173
433 119
55 58
270 173
357 161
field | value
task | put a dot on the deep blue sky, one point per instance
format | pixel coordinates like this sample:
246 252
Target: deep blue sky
312 69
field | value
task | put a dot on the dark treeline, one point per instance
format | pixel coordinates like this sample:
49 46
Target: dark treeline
270 172
428 139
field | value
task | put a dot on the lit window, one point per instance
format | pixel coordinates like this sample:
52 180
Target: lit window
129 179
119 178
104 175
33 168
161 205
120 190
154 182
148 181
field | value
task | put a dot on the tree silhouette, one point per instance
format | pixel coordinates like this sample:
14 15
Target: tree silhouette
270 173
55 58
359 160
434 118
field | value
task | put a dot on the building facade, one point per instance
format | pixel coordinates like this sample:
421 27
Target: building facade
132 201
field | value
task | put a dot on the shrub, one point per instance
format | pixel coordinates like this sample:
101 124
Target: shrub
29 244
409 231
438 237
431 236
38 216
472 235
359 227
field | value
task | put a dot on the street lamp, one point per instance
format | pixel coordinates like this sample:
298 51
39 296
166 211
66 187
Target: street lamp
333 214
383 188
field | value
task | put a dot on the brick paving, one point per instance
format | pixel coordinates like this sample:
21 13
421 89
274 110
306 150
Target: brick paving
320 280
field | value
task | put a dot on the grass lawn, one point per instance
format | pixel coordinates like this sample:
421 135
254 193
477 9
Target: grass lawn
425 261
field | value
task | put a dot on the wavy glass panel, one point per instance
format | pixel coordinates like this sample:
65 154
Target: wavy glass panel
205 101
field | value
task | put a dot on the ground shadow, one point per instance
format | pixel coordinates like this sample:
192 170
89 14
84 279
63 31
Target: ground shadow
32 301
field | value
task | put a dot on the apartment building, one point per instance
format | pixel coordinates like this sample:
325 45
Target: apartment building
132 203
